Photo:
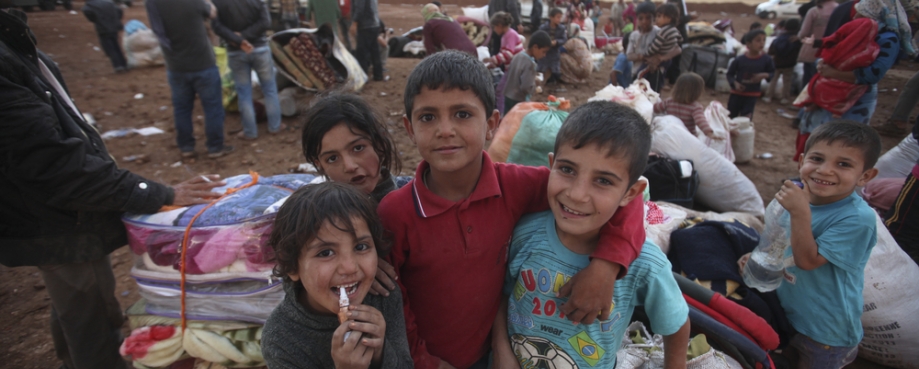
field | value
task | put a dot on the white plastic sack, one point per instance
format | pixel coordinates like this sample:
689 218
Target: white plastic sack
891 314
722 186
477 13
638 96
483 52
899 161
142 49
720 122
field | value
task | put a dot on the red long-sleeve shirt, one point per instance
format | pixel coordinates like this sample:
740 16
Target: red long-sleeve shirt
451 257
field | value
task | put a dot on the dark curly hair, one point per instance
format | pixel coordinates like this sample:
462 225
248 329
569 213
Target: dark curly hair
301 217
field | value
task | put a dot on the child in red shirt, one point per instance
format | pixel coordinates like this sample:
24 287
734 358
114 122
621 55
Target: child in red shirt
451 225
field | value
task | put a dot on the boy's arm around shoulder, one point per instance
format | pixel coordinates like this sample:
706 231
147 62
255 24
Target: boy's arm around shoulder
392 211
620 243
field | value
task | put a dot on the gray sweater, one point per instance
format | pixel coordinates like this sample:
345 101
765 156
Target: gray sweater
521 77
295 337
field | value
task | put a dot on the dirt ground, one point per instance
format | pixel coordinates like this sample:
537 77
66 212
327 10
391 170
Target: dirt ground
69 38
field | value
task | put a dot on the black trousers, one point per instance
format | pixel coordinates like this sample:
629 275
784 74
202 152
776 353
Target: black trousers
86 319
109 42
902 219
368 51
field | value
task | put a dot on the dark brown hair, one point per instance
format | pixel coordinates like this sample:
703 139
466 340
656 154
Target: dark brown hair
688 88
850 134
301 217
670 11
352 111
502 19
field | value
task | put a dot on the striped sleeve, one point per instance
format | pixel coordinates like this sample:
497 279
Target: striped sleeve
698 117
666 39
510 45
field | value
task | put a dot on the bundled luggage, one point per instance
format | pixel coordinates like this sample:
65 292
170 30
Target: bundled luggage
316 60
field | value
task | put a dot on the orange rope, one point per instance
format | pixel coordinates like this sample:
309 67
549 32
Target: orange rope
188 230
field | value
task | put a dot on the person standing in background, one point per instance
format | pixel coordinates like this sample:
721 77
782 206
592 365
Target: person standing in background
813 26
191 69
366 20
106 16
242 25
62 197
615 17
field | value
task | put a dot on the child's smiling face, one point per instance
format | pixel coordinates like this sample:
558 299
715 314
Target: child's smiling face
586 187
336 258
832 171
450 127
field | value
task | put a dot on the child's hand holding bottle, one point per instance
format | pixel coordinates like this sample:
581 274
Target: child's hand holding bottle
358 342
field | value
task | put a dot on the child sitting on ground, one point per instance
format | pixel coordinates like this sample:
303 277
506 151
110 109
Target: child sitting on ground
600 151
326 239
558 33
521 74
667 38
832 234
511 42
452 224
745 74
621 75
684 103
784 51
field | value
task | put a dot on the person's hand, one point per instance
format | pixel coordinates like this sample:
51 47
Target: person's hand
384 282
591 292
795 200
520 28
742 262
370 323
709 132
739 86
349 353
196 190
760 77
246 47
809 40
554 43
445 365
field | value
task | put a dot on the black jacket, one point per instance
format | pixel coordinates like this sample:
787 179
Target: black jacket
61 193
248 17
104 14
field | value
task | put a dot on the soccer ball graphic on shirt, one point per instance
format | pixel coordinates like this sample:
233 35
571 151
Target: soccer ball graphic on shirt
540 353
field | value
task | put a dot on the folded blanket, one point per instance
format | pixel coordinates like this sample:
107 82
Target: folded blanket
290 64
305 49
852 46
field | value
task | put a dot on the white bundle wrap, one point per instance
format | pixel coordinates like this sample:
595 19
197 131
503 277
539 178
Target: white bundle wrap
891 314
722 186
638 96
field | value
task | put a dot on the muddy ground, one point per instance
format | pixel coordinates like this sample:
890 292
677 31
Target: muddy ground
69 38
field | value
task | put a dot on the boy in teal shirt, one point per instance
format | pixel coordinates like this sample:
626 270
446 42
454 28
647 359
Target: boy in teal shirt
832 234
600 152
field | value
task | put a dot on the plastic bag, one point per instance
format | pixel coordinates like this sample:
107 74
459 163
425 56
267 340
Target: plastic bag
638 96
722 186
536 137
899 161
500 146
720 123
227 262
142 49
891 314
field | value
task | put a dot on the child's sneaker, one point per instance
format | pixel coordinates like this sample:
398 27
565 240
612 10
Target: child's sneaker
767 99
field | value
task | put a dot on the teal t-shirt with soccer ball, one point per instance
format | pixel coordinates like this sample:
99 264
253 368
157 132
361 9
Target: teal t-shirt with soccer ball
539 265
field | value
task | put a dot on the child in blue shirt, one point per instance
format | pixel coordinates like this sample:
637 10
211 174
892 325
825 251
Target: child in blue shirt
600 151
621 74
832 234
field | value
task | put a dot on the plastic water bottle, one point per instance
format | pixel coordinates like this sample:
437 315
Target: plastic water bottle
765 269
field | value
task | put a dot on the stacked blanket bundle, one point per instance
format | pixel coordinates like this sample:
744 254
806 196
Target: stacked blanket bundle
229 289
